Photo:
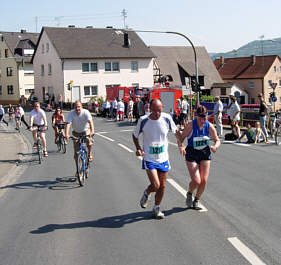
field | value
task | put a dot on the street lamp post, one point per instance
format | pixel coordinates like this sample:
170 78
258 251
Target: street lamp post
194 51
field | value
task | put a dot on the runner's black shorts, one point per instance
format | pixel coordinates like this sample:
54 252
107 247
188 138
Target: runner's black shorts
194 155
183 116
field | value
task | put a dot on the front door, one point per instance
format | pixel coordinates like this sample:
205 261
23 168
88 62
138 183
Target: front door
75 93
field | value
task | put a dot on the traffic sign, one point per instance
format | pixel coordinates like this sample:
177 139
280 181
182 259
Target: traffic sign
274 99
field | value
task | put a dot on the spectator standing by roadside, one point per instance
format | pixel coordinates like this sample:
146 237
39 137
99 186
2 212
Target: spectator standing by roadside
11 112
2 112
228 109
60 101
218 108
47 98
262 114
114 108
184 111
140 106
22 116
235 116
120 110
130 110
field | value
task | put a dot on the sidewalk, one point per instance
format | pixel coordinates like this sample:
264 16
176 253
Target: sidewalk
12 145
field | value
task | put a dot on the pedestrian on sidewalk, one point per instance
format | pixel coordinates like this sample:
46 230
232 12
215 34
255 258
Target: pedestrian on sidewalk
155 128
198 153
2 112
263 113
218 108
22 117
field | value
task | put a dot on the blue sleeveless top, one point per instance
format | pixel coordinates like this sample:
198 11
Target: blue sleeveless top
199 139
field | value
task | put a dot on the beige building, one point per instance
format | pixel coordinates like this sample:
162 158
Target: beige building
255 74
16 70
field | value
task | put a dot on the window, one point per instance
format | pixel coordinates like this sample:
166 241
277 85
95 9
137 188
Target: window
134 66
49 69
274 69
89 67
47 47
223 91
42 69
9 71
6 53
0 90
279 82
43 48
111 67
251 85
90 90
269 83
10 90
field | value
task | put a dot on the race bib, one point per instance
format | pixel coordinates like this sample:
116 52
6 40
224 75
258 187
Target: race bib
156 149
200 142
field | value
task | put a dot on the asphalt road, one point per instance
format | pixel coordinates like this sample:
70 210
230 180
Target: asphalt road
46 218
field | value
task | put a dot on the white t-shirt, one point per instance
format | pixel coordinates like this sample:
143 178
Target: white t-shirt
114 104
2 111
38 117
184 106
155 136
79 122
233 109
21 111
120 106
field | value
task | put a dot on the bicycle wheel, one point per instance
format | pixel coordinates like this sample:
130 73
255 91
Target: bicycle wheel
59 143
87 165
278 135
80 170
39 152
63 144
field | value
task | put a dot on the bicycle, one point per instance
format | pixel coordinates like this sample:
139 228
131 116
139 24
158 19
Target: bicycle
39 146
277 130
82 159
61 142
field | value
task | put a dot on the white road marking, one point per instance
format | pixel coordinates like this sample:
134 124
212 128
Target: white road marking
242 144
126 148
182 191
247 253
127 130
107 138
102 132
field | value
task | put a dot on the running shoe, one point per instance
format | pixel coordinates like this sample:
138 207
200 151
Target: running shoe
188 200
195 204
156 213
144 199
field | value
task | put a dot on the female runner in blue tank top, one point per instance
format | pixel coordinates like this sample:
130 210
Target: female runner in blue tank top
198 153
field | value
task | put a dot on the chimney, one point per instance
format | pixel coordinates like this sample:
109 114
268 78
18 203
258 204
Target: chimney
221 61
253 59
23 31
126 40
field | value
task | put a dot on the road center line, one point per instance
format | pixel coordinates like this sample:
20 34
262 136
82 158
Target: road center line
247 253
126 148
182 191
107 138
127 130
101 132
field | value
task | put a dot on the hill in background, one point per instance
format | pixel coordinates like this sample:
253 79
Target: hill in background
257 47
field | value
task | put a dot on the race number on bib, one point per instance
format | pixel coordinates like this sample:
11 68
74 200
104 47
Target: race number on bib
156 149
200 142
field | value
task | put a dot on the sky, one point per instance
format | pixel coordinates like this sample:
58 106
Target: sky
218 25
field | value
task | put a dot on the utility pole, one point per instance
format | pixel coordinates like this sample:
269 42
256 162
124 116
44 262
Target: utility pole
36 23
124 14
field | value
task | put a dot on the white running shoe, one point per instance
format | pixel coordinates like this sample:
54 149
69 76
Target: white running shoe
156 213
144 199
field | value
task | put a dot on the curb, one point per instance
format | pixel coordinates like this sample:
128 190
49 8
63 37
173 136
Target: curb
18 169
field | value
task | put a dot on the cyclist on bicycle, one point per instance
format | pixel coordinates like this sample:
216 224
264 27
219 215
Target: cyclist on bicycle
82 123
57 118
38 119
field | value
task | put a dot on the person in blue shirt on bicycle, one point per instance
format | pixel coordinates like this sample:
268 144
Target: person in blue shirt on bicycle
82 123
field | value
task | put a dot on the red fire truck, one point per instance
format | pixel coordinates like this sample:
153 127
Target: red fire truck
168 95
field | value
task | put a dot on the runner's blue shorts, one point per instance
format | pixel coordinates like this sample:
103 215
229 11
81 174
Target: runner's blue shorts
164 167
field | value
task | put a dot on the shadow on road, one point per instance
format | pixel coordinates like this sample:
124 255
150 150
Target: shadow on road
106 222
60 183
